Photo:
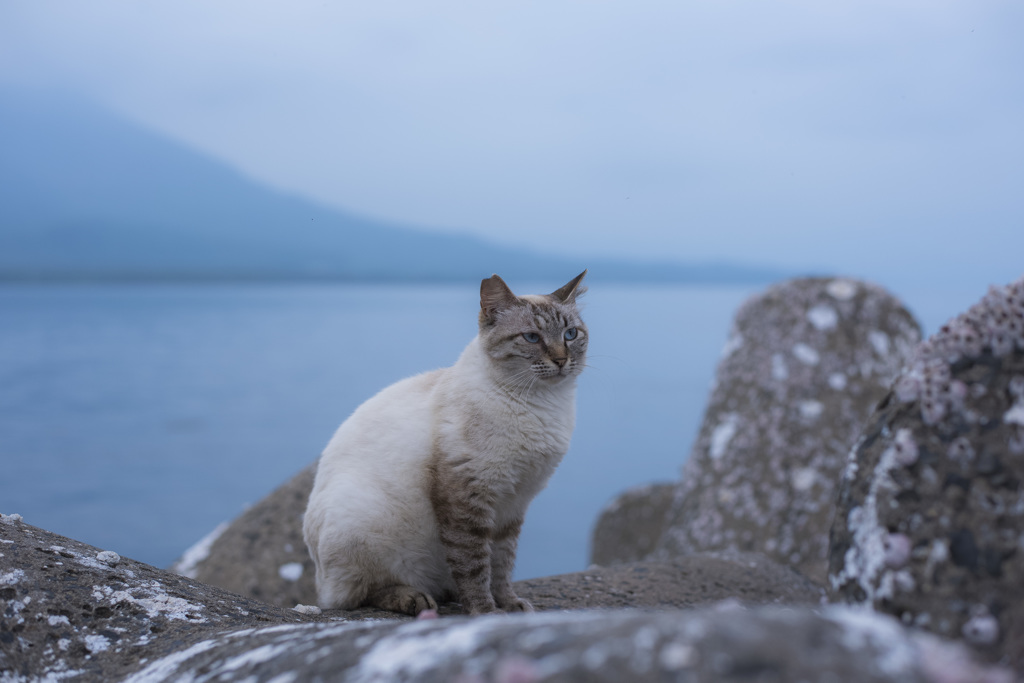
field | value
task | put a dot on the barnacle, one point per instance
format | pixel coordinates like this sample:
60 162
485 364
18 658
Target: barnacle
981 629
994 325
896 549
961 450
904 448
907 388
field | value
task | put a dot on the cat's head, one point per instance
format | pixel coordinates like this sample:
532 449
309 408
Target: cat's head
533 337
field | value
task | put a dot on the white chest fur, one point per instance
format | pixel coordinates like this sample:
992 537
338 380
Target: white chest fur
515 434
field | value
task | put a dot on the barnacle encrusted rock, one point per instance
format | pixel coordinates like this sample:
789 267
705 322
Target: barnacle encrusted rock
260 554
68 611
805 364
930 520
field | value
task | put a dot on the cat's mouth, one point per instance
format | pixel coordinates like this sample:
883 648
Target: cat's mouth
557 373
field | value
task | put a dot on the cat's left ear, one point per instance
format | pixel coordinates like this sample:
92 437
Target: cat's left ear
495 296
571 290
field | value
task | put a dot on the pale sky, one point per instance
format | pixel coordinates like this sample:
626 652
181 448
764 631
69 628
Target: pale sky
875 138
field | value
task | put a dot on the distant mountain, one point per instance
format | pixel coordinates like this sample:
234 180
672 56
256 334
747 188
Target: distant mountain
86 195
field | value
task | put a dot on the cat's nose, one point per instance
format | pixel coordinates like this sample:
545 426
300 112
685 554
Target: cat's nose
560 362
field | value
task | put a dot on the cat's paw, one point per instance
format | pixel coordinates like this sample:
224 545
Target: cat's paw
516 604
477 607
405 599
417 602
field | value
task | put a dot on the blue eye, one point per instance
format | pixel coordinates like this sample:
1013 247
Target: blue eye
571 333
531 337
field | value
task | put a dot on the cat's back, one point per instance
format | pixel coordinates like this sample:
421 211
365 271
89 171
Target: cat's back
385 435
371 483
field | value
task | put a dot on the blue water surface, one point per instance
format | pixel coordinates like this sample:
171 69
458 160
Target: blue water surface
138 417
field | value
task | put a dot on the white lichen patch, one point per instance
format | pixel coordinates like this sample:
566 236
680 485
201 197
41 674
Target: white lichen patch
538 637
594 657
188 564
57 620
880 342
166 668
842 290
255 657
291 571
410 651
803 478
676 656
96 643
1015 415
780 372
10 519
722 435
16 607
865 559
810 410
865 628
307 609
289 677
12 577
806 354
152 598
823 317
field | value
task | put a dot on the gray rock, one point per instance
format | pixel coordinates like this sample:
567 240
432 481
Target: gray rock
720 645
66 609
69 611
234 560
630 527
690 581
804 366
930 521
260 554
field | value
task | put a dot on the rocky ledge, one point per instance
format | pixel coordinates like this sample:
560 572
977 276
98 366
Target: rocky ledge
74 612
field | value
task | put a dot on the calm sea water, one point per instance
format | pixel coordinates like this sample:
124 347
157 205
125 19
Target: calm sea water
137 418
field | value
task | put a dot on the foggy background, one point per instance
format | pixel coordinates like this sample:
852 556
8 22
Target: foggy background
883 140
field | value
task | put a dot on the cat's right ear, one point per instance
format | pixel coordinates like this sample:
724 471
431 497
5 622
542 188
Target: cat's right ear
570 290
495 296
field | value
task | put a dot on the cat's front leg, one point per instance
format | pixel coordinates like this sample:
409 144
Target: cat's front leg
464 523
503 559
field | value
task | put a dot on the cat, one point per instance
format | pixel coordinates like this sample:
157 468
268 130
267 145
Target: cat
420 495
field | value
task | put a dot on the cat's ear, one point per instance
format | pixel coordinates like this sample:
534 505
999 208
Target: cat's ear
495 296
571 290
